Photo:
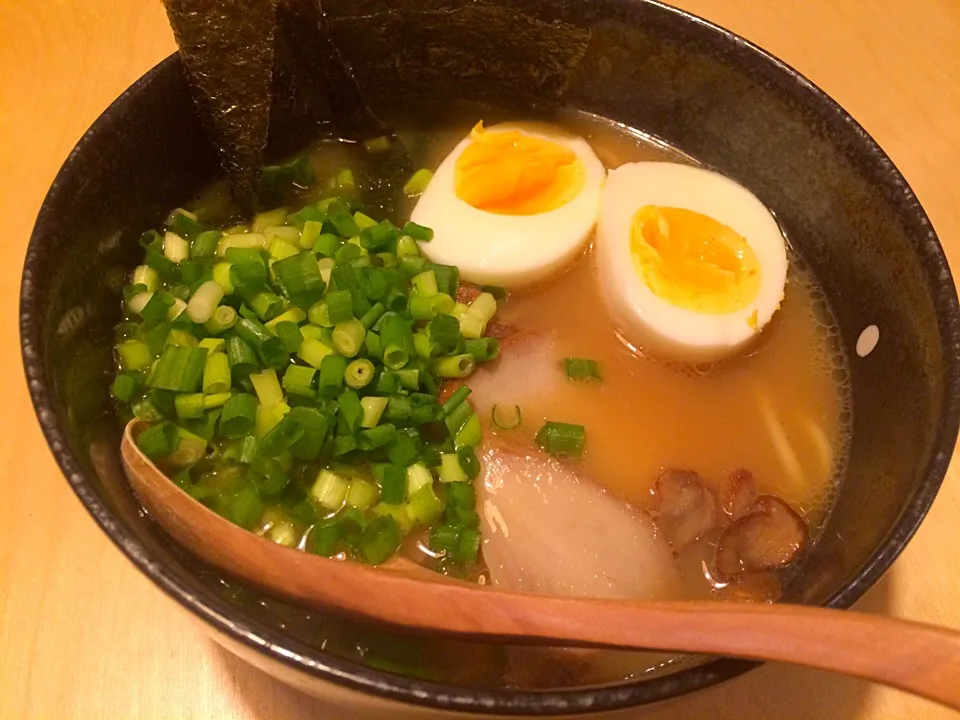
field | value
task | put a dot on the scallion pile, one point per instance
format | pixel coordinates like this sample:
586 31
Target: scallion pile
288 372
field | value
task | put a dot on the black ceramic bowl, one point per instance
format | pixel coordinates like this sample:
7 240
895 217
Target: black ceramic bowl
703 90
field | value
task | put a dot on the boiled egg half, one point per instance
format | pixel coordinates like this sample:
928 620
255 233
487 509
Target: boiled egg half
512 204
691 265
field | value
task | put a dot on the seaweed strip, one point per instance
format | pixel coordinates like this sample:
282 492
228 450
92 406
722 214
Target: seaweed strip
226 47
401 57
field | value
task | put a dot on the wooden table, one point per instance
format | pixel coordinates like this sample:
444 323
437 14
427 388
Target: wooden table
83 635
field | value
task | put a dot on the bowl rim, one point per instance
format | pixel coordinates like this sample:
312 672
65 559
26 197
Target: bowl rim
353 676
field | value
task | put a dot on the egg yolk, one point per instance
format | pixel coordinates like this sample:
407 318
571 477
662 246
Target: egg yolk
512 173
693 261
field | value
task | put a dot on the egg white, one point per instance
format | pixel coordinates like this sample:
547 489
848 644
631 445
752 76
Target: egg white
650 322
509 250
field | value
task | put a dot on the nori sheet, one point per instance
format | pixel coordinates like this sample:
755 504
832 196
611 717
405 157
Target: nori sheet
287 71
226 47
478 52
313 91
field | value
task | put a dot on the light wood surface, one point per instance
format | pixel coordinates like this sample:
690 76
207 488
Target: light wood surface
83 635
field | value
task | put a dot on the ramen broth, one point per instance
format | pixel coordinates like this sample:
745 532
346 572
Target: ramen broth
781 410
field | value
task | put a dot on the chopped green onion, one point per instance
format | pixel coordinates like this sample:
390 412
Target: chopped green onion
456 399
243 241
398 408
444 538
327 245
215 400
339 306
267 474
204 301
281 436
213 344
370 317
294 315
299 278
205 244
298 380
483 307
468 461
189 405
379 235
407 247
581 369
424 346
379 540
152 306
134 355
332 370
425 284
470 434
175 248
362 494
308 236
159 441
377 145
418 182
126 385
146 276
315 425
392 480
376 437
343 183
418 232
289 335
373 407
482 349
448 281
424 506
418 476
329 490
350 412
468 547
444 332
224 317
313 352
348 337
359 373
221 276
562 439
216 373
239 415
284 234
243 360
267 387
506 417
179 369
450 470
268 218
409 378
455 366
396 338
403 451
184 223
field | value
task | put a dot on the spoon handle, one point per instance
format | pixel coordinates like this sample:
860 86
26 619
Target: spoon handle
918 658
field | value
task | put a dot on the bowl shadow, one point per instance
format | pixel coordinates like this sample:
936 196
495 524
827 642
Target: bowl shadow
767 692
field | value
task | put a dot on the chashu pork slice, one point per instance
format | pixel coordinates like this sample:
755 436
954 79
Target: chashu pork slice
549 530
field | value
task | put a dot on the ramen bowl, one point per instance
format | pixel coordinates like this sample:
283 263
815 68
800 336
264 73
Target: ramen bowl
696 87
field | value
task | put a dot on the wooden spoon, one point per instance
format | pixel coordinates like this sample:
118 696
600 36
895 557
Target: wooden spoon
917 658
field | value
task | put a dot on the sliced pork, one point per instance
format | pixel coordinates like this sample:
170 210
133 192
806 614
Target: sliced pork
547 529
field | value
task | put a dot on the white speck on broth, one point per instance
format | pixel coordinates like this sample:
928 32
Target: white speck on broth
868 340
